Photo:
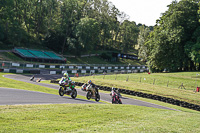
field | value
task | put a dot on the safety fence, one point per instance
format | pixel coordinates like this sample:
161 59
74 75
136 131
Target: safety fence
145 95
6 64
70 68
83 72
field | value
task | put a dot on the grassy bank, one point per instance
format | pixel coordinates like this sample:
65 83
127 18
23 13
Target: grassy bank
9 56
95 118
145 83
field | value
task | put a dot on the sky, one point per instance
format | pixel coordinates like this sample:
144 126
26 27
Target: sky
142 11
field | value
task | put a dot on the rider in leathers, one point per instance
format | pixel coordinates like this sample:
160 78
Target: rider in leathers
66 79
92 85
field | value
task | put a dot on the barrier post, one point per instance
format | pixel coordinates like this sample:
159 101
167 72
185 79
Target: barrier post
127 78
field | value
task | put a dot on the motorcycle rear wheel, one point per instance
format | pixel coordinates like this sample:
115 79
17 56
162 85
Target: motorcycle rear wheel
120 102
74 94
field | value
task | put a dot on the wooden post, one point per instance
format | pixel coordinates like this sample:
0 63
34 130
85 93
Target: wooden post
167 83
127 78
181 86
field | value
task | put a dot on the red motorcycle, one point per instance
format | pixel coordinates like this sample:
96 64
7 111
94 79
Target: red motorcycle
116 98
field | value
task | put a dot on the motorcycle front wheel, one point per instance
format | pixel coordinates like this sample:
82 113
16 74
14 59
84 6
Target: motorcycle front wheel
61 92
97 98
74 94
113 100
89 95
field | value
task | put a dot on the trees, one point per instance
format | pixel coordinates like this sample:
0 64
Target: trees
129 32
66 25
143 51
170 42
87 32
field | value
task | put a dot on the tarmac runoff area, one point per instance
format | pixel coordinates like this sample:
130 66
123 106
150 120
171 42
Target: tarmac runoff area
9 96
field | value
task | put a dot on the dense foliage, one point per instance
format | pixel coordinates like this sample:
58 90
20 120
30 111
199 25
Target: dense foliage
75 26
174 43
84 26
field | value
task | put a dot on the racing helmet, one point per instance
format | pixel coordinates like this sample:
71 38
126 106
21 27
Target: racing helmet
113 89
65 74
89 81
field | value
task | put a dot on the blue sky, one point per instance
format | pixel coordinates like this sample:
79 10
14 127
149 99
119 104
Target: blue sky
142 11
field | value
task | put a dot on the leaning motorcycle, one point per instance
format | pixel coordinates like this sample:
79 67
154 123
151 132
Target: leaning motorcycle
116 98
92 92
68 89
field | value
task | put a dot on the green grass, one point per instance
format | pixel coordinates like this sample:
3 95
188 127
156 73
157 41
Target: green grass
10 83
147 86
9 56
95 118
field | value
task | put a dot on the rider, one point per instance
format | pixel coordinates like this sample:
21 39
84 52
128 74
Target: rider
92 85
114 90
66 79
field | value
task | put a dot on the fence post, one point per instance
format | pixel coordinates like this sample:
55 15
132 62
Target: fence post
181 86
167 83
154 81
127 78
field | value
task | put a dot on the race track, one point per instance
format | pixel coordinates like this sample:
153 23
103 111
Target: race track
15 96
48 98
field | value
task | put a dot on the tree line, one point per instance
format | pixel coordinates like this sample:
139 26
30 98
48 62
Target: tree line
174 44
75 26
83 26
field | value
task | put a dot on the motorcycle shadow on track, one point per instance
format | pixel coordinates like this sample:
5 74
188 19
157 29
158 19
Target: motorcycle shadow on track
78 99
124 98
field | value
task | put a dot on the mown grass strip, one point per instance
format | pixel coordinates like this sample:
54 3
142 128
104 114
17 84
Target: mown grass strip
95 118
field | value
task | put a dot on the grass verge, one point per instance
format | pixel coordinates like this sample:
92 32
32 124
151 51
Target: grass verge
90 118
95 118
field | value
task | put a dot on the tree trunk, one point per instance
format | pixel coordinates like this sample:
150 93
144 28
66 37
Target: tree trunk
192 67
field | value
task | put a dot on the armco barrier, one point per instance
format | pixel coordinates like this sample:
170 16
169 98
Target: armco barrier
145 95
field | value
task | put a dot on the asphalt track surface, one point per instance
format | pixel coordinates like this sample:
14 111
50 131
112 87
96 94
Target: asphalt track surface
15 96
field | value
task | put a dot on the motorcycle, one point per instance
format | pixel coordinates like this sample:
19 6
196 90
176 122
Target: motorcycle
92 92
68 89
116 98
